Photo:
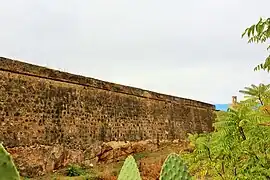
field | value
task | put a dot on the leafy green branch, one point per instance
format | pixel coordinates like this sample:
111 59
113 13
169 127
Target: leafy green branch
260 33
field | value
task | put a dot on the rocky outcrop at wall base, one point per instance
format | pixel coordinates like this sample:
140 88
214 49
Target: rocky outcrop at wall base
38 160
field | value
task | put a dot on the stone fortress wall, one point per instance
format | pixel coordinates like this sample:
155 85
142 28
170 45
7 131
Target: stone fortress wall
41 106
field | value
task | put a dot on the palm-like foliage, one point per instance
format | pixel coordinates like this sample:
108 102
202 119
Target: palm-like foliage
259 93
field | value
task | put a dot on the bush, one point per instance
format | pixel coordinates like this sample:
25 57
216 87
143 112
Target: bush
75 170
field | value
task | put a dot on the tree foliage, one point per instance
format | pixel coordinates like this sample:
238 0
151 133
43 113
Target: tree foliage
239 146
257 93
260 33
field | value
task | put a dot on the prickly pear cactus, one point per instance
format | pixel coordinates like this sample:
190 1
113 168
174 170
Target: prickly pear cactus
129 170
8 170
174 169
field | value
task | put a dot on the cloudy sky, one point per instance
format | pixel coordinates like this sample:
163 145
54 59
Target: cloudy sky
191 49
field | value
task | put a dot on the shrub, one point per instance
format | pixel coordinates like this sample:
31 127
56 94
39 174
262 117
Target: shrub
75 170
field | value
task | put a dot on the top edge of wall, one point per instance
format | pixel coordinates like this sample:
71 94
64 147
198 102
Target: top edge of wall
17 66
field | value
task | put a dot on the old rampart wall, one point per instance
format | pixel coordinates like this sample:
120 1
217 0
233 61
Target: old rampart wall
41 106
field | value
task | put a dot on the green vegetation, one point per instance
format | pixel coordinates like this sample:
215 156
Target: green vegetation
174 168
239 147
75 170
129 170
7 167
140 155
260 33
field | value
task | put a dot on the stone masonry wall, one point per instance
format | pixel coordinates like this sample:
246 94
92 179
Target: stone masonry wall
40 106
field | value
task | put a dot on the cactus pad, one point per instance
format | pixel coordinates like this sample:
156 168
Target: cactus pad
174 169
8 170
129 170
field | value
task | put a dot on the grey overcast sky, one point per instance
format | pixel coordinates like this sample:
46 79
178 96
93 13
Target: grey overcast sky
191 49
